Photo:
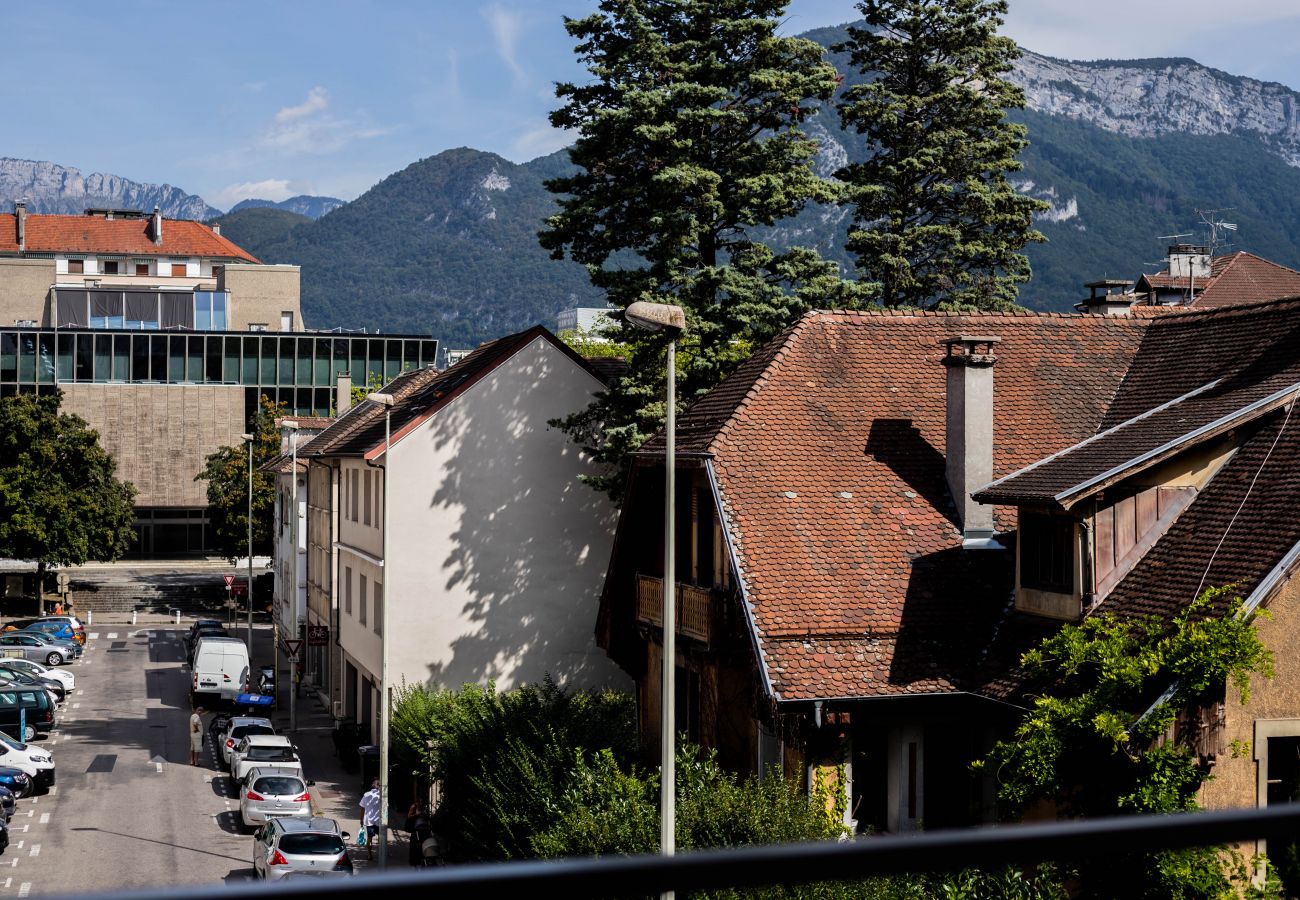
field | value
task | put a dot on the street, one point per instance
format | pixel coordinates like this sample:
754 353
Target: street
127 810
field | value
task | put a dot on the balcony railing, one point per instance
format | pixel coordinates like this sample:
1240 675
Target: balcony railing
694 607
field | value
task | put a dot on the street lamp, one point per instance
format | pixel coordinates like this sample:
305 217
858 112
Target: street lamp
291 427
386 401
250 438
672 321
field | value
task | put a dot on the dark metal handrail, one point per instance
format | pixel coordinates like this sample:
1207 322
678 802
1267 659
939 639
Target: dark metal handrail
935 851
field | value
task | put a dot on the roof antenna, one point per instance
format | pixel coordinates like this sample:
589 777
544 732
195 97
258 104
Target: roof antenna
1211 219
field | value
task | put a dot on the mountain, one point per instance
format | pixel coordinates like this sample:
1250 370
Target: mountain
303 205
1124 151
51 188
258 226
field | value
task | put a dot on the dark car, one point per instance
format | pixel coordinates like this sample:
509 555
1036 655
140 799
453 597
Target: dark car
13 676
19 783
8 803
4 835
25 712
200 624
205 631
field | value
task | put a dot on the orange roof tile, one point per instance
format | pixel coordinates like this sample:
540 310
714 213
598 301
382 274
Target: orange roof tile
1235 278
96 234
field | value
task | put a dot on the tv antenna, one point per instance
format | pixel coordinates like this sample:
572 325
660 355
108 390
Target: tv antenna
1212 219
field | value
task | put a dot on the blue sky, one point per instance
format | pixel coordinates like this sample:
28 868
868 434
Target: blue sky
280 97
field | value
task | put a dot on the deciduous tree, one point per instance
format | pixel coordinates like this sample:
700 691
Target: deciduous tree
226 473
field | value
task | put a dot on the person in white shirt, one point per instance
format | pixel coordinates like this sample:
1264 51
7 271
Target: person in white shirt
370 817
196 735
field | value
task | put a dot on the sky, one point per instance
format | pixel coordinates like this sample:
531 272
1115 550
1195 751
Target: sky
281 97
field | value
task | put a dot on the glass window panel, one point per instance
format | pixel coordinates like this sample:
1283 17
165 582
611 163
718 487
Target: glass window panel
8 356
268 362
213 368
121 357
202 312
230 368
194 359
85 358
118 322
158 358
323 400
323 375
304 353
65 357
103 357
250 360
285 354
176 359
392 359
219 312
140 358
27 357
358 356
410 355
45 358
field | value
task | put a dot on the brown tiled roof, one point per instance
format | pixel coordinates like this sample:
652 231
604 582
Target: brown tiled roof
828 447
1222 369
419 394
96 234
1235 278
283 464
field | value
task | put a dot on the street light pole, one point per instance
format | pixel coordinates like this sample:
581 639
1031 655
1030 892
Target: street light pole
672 320
292 428
250 438
385 400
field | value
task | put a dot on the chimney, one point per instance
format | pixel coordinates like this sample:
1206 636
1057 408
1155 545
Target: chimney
1189 261
157 227
216 229
969 435
1108 297
20 214
343 393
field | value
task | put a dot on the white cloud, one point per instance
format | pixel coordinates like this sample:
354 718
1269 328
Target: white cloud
311 127
275 189
540 141
506 27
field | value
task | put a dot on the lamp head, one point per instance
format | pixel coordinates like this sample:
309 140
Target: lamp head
656 317
246 437
381 399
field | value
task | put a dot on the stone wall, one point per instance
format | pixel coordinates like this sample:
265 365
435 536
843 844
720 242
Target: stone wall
24 289
259 294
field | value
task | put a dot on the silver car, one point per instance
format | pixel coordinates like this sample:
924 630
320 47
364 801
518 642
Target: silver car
271 792
312 846
241 726
30 646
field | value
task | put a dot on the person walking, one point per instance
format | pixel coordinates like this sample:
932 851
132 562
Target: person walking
421 830
370 817
196 735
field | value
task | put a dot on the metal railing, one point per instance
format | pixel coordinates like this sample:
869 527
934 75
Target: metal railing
788 864
694 607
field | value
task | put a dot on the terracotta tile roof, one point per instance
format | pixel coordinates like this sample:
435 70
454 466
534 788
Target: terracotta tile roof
419 394
307 423
1235 278
96 234
283 464
828 448
1250 367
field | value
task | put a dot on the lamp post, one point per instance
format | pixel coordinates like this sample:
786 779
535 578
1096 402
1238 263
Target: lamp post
291 427
250 438
386 401
672 321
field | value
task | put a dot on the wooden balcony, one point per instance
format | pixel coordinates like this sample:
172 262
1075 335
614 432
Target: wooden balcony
694 607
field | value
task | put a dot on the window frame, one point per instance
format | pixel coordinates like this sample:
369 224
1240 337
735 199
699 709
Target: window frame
1055 536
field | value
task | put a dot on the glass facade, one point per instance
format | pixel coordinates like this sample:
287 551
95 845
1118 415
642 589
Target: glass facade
296 369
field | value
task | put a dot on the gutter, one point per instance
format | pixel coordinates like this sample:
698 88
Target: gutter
886 697
740 581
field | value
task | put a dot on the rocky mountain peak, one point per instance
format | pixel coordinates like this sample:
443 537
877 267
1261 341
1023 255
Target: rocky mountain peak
51 188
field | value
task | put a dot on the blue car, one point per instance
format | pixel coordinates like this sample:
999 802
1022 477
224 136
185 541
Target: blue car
8 803
60 631
17 781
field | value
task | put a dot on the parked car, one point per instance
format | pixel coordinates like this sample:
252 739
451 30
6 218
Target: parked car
25 645
63 676
220 667
57 629
201 625
238 727
8 804
4 835
55 687
314 846
17 781
6 682
272 792
78 629
75 650
270 751
37 762
25 713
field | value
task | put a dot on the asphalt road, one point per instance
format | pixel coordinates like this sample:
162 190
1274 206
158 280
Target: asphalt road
127 810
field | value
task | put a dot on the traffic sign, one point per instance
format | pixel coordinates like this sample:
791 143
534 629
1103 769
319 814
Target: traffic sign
318 635
292 648
230 579
239 588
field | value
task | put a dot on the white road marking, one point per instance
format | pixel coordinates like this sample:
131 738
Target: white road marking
93 635
112 635
9 881
54 789
36 850
30 813
26 828
26 886
45 817
20 845
76 706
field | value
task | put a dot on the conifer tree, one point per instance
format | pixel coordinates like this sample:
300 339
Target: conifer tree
935 219
688 141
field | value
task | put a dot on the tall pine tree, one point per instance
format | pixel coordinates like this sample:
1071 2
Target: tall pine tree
688 141
935 220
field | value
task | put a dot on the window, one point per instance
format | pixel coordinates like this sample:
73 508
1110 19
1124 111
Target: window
353 505
141 268
108 267
379 608
366 493
1047 553
347 590
361 612
286 321
178 270
76 266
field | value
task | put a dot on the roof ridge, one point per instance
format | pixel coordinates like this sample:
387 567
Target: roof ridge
1025 314
1229 309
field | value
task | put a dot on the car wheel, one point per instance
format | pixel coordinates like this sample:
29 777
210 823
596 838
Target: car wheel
29 734
54 658
22 793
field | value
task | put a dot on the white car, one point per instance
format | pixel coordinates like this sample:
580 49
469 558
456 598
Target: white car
263 751
241 726
35 762
33 668
273 792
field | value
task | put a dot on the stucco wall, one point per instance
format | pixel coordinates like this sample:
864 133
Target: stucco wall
498 553
24 287
260 294
160 434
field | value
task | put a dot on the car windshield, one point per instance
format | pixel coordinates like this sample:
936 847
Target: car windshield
312 844
278 787
271 754
244 730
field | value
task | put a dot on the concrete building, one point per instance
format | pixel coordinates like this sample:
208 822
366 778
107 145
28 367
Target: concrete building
497 553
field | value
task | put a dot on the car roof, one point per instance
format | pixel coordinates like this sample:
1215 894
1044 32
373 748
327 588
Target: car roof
220 638
315 823
268 740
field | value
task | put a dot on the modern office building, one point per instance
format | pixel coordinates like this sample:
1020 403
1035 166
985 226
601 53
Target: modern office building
164 335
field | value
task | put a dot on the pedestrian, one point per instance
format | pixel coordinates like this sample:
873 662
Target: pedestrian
370 817
421 829
196 735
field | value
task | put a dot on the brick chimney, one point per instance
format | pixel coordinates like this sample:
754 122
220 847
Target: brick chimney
157 227
969 434
342 393
20 214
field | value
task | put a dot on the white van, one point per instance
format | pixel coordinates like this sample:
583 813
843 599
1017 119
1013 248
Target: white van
220 667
